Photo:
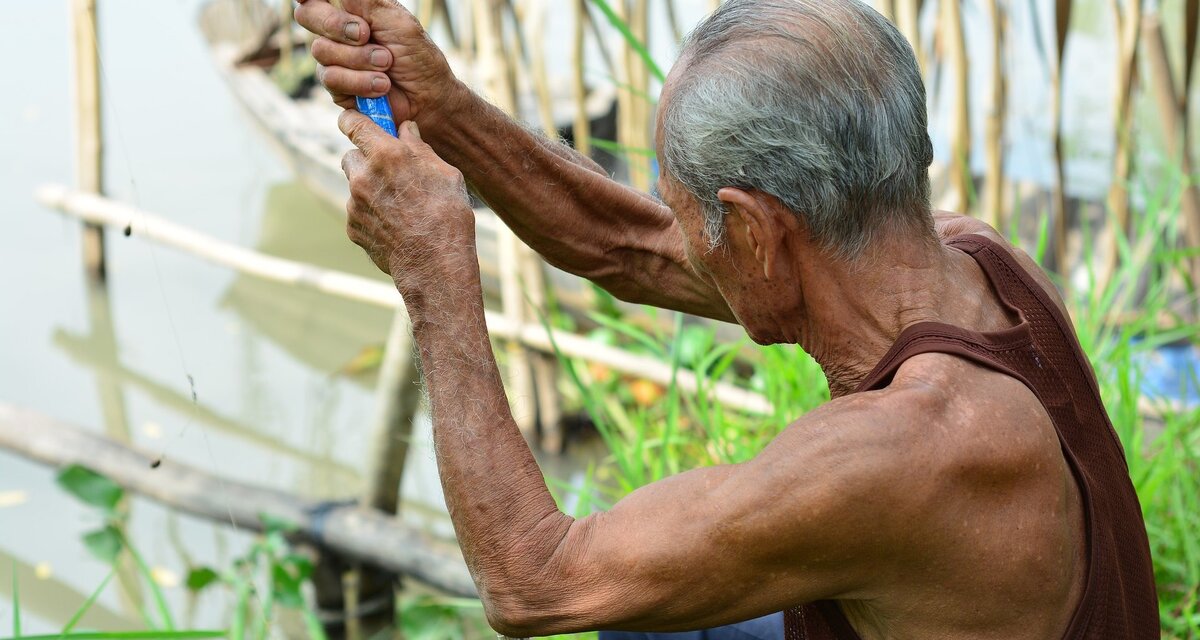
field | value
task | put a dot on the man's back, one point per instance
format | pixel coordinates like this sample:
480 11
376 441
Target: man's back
1025 477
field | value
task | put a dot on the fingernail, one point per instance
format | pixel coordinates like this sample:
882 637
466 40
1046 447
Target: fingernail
379 85
351 31
412 126
379 58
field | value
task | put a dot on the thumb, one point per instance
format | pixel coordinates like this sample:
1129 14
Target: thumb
362 131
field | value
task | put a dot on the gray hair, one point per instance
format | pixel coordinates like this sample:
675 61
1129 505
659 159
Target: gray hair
816 102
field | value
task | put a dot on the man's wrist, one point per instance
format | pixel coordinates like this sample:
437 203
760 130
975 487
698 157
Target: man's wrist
451 109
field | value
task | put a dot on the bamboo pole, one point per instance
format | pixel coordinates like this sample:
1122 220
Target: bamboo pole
993 198
1058 205
288 43
89 141
633 108
887 8
960 138
1191 25
397 396
908 20
1174 128
365 534
425 12
545 368
583 124
102 211
495 70
1128 26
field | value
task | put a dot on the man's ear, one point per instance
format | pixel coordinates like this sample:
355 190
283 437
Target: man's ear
757 221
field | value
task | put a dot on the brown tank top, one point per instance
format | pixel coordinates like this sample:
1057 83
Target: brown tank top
1119 599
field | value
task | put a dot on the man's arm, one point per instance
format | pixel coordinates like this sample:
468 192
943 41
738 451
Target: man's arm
558 202
814 516
821 513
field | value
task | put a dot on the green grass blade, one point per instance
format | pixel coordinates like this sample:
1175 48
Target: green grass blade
16 603
130 635
87 604
160 600
621 26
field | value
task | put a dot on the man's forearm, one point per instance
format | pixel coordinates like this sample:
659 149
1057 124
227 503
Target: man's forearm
506 521
565 207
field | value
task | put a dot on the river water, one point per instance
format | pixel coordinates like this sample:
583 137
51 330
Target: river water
271 407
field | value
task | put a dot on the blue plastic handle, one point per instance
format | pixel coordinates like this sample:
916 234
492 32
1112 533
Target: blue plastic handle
380 112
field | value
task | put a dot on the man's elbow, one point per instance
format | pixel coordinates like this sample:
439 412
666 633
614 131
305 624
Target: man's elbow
530 608
545 591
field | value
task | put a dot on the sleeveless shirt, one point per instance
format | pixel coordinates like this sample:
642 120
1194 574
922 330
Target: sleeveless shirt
1042 352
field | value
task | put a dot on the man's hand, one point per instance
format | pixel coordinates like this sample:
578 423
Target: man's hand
408 208
376 48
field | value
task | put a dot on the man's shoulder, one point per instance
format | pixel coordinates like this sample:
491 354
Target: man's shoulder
942 421
952 225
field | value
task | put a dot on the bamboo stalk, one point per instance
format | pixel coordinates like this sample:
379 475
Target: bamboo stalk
493 59
960 138
287 42
1174 128
993 199
673 21
425 10
1129 22
887 8
908 15
583 124
1058 205
89 140
364 534
102 211
397 396
633 111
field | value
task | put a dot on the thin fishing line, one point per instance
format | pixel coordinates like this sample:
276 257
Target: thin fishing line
191 380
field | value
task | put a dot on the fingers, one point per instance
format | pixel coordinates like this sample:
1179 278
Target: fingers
340 80
360 58
323 19
365 134
353 163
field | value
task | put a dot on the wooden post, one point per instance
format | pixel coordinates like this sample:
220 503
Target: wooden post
397 397
1174 129
498 77
89 148
1062 18
287 42
993 200
1128 31
908 18
960 137
583 126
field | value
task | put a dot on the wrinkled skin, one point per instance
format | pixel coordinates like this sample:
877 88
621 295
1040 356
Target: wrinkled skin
938 507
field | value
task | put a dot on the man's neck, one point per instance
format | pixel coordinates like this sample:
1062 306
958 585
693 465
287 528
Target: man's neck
855 313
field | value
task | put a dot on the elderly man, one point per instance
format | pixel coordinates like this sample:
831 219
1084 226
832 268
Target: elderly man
964 482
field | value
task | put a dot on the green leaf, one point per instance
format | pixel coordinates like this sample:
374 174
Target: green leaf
627 33
200 578
286 587
274 524
104 543
694 343
90 487
87 604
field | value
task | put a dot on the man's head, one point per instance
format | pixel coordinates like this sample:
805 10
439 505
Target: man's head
816 102
813 107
